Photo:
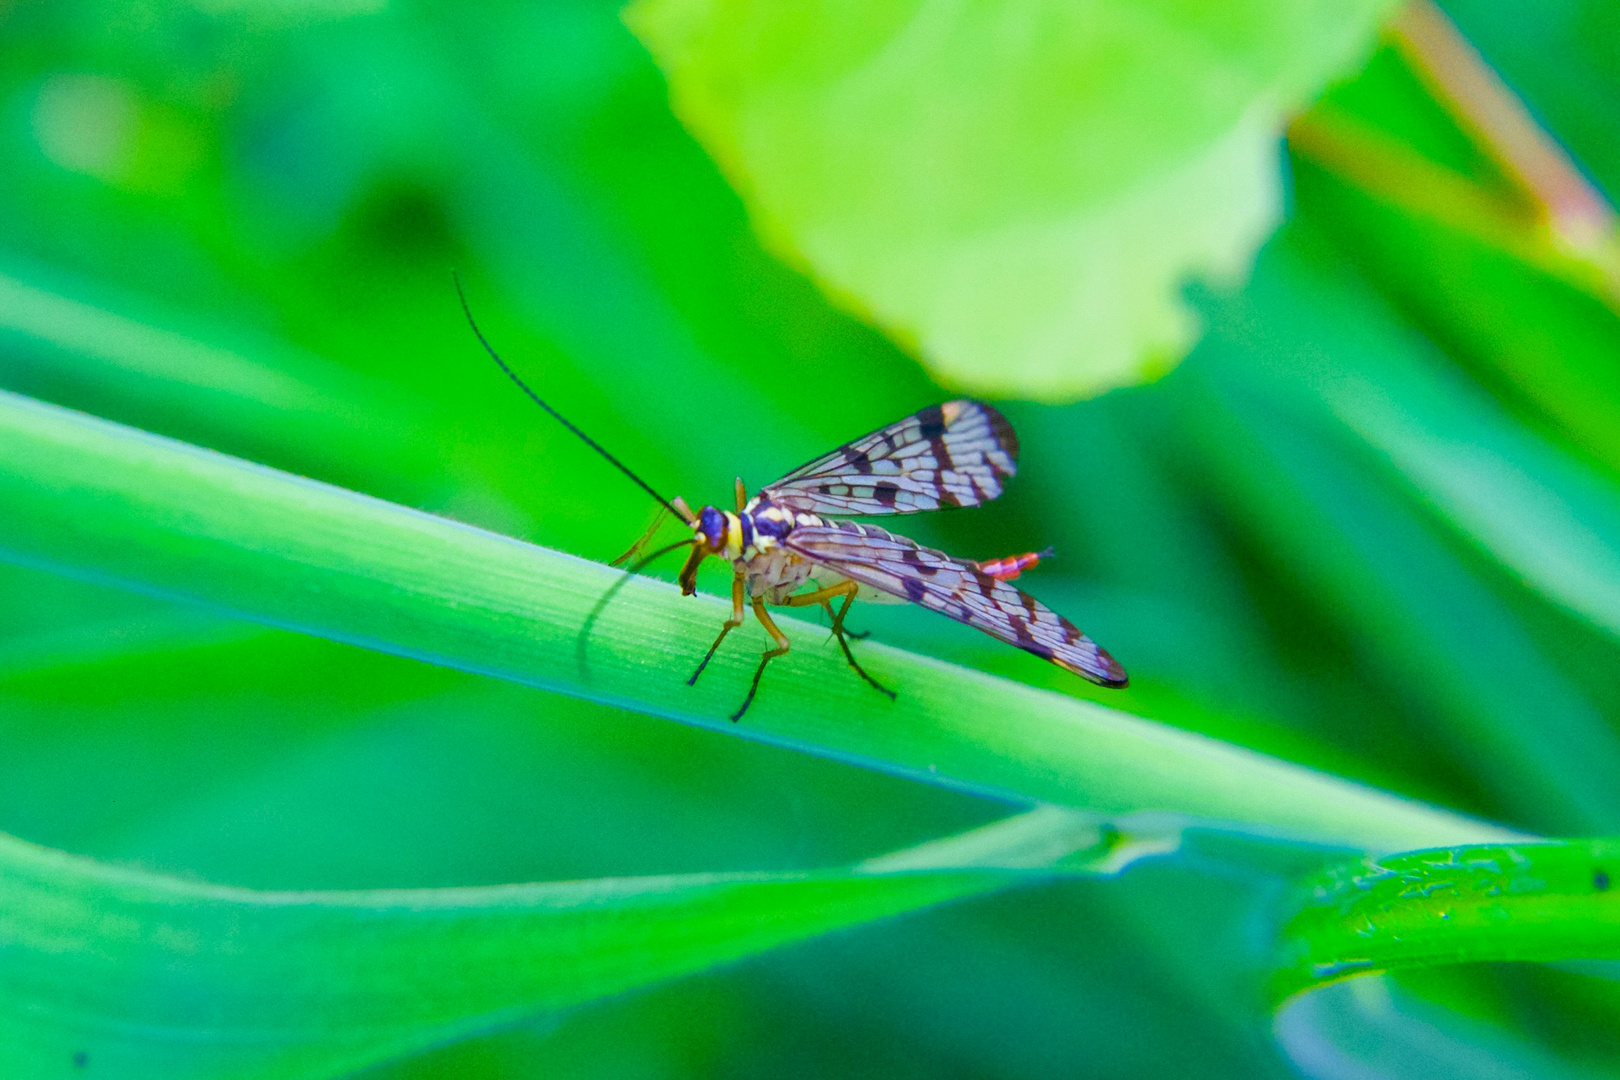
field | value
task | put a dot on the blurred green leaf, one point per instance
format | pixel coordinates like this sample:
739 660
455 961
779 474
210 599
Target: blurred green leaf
276 760
1425 620
1488 902
1563 56
108 502
1021 189
1375 1025
1471 266
1548 518
262 399
143 975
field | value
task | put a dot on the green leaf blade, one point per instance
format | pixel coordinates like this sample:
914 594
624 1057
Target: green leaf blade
147 975
116 504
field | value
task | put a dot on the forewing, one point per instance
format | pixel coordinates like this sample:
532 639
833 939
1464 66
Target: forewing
955 454
881 560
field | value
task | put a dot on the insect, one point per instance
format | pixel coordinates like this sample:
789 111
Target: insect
785 549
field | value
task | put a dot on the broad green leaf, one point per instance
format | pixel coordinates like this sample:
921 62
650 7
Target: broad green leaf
1490 902
108 502
142 975
1021 189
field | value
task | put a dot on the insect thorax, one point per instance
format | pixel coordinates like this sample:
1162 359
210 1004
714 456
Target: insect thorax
775 575
770 571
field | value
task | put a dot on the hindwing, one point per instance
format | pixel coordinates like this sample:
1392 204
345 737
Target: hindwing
956 588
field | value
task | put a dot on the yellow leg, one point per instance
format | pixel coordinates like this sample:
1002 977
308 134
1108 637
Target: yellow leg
821 596
727 627
824 597
838 620
782 646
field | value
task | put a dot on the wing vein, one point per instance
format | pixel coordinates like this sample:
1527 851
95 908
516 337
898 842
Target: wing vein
950 455
957 589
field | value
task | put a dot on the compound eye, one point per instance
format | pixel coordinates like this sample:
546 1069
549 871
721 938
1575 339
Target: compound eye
713 524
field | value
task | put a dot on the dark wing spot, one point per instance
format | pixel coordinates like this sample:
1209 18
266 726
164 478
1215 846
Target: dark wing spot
1114 674
915 561
914 590
932 422
857 460
885 493
1026 640
942 456
948 500
1003 433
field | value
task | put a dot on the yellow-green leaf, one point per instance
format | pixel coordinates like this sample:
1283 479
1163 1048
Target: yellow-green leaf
1019 188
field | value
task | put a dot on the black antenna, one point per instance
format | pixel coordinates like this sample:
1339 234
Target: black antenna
586 439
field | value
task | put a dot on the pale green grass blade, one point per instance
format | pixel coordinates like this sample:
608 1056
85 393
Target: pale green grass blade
1546 517
1549 517
106 501
142 975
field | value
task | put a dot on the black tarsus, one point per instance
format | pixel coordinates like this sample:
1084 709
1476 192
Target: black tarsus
853 635
536 398
840 633
753 687
707 657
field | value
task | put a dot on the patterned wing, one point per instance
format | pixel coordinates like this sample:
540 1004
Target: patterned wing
955 454
881 560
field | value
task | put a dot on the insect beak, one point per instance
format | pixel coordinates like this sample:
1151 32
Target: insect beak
688 578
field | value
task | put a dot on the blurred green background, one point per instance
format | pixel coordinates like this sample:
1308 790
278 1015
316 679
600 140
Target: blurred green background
234 222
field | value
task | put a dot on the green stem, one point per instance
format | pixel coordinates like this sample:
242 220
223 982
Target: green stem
1524 902
104 501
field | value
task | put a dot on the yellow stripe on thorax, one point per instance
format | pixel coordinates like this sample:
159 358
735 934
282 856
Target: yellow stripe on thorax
734 543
